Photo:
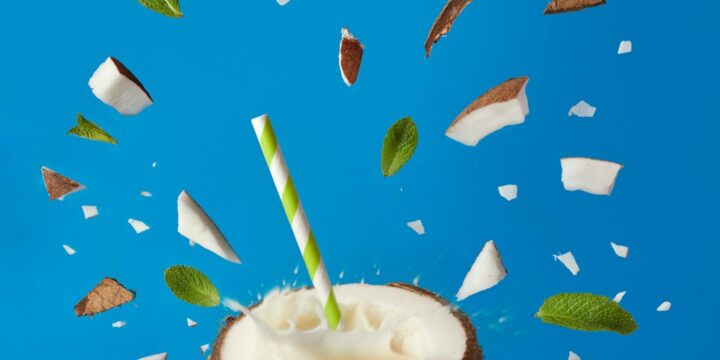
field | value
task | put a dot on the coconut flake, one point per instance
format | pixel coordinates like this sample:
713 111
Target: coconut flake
561 6
487 271
625 47
281 3
206 347
161 356
417 226
416 281
592 176
568 260
191 323
350 56
582 109
119 324
573 356
620 250
509 192
444 22
57 185
138 226
145 194
619 296
196 225
70 251
665 306
90 211
116 86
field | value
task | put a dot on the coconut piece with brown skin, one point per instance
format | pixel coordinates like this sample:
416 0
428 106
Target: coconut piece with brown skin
109 293
444 22
350 56
114 84
561 6
57 185
391 322
505 104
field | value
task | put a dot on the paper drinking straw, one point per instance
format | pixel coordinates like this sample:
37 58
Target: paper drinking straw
297 218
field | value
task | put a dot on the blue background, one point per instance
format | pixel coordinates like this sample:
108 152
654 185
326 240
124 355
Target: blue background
228 61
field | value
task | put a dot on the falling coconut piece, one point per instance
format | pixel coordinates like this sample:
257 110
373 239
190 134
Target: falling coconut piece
619 296
561 6
625 47
70 251
621 251
351 53
116 86
145 194
58 186
592 176
444 22
665 306
191 323
161 356
154 164
138 226
568 260
90 211
396 321
119 324
509 192
281 3
503 105
106 295
196 225
204 348
417 226
487 271
582 109
573 356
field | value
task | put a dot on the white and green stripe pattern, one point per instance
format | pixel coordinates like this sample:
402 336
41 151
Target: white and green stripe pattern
297 218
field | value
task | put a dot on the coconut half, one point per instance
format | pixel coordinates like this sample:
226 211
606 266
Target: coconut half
505 104
57 185
392 322
115 85
487 271
592 176
196 226
444 22
350 56
561 6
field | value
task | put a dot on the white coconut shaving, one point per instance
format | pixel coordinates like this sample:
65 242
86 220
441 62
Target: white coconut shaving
161 356
416 280
573 356
593 176
204 348
487 271
119 324
90 211
191 323
70 251
568 260
619 296
195 224
138 225
417 226
625 47
620 250
665 306
283 2
145 194
582 109
232 304
509 191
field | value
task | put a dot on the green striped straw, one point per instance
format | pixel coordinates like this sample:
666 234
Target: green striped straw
297 218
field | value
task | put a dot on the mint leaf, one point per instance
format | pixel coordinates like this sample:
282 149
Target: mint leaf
586 312
191 286
88 130
399 146
170 8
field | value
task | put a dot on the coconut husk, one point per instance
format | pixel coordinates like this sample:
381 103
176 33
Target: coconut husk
561 6
444 22
58 185
109 293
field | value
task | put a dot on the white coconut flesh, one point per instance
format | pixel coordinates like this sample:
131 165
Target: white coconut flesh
394 322
589 175
195 224
114 85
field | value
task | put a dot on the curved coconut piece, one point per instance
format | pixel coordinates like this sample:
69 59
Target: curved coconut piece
592 176
350 56
115 85
394 321
561 6
444 22
487 271
196 225
57 185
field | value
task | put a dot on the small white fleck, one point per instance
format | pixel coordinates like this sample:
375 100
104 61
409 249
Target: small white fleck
509 191
145 194
191 322
90 211
619 296
341 275
416 280
138 226
582 109
625 47
70 251
665 306
620 250
283 2
573 356
296 269
417 226
154 164
568 260
119 324
204 348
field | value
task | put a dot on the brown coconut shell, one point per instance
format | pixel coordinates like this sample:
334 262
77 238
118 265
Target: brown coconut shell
561 6
506 91
351 53
109 293
444 22
473 351
58 185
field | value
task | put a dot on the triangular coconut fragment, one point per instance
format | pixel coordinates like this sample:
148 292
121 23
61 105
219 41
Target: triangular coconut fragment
487 271
573 356
417 226
138 226
204 348
505 104
196 225
70 251
508 192
119 324
161 356
191 322
561 6
592 176
620 250
582 109
350 56
568 260
619 296
145 194
109 293
57 185
665 306
115 85
90 211
444 22
625 47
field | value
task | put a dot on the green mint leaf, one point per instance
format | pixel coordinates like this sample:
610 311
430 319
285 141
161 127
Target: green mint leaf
399 146
586 312
170 8
191 286
88 130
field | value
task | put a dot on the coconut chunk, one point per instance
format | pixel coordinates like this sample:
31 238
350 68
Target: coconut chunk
196 226
509 192
592 176
119 324
161 356
191 323
145 194
582 109
204 348
116 86
505 104
573 356
417 226
138 226
57 185
568 260
444 22
620 250
350 56
561 6
625 47
487 271
665 306
619 296
90 211
109 293
70 251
